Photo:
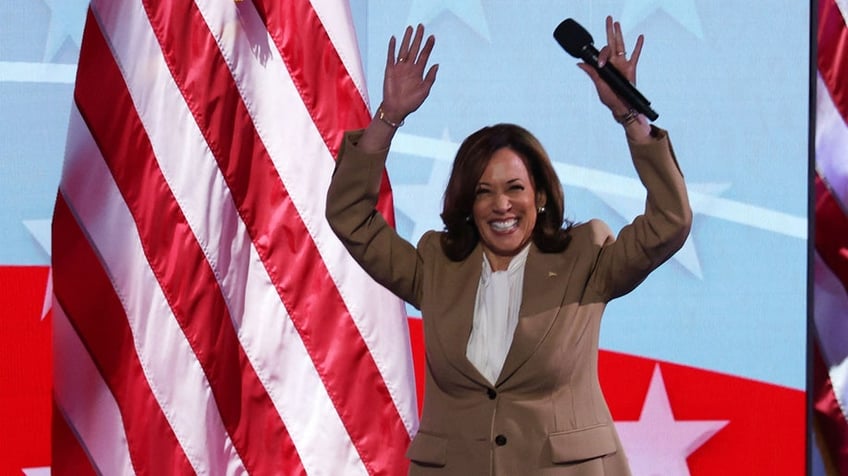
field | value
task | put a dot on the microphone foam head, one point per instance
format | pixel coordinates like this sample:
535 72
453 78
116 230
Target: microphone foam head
572 37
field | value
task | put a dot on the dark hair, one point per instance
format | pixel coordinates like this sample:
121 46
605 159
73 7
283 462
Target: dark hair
461 234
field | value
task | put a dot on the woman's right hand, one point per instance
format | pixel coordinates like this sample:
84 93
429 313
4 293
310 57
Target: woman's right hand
405 86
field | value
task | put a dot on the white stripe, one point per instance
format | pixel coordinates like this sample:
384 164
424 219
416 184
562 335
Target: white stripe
162 349
305 166
607 183
75 381
831 142
831 319
265 331
843 8
21 72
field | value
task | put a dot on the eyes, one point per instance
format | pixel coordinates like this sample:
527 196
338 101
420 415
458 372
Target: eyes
483 190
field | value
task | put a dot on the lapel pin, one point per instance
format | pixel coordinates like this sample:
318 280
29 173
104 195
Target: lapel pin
551 274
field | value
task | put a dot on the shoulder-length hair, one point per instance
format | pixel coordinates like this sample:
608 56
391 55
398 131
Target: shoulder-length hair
461 234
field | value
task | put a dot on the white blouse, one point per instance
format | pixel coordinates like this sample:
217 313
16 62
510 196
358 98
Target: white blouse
496 309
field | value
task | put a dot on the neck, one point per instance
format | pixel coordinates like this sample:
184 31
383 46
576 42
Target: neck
497 262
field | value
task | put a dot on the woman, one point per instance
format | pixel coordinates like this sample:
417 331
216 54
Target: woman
511 301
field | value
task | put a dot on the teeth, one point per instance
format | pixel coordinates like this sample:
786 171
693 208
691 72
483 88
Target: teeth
504 225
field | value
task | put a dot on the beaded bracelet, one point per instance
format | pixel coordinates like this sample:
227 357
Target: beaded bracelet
382 116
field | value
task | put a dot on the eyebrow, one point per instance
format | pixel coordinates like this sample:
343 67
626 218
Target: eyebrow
487 184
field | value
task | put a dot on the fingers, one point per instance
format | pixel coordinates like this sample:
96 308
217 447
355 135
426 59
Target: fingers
610 27
428 48
604 56
416 43
411 49
431 76
390 57
403 52
637 50
615 38
619 39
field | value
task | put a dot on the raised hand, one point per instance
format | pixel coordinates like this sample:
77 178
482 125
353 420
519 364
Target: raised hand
405 86
615 52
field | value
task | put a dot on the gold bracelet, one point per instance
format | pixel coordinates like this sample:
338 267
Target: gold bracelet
627 117
382 116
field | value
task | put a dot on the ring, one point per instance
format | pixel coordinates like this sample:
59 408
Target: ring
621 53
401 60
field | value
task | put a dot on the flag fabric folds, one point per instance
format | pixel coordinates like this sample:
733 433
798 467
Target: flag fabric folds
206 319
830 306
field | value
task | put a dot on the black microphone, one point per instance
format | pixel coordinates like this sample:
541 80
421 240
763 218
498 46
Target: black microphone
578 43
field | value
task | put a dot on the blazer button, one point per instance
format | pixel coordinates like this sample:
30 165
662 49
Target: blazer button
500 440
491 393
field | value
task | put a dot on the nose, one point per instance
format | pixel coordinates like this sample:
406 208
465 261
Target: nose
502 203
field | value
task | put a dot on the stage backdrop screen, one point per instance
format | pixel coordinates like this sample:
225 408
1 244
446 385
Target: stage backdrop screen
698 363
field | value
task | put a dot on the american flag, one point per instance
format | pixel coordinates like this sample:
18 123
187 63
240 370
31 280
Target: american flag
206 319
831 237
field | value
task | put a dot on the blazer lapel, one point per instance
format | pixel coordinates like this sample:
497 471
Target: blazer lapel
456 314
545 283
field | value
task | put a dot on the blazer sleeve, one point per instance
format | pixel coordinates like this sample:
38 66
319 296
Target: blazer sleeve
653 236
351 211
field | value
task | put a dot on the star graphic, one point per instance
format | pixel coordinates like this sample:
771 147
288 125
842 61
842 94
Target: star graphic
469 12
635 11
37 471
628 208
657 444
67 18
407 197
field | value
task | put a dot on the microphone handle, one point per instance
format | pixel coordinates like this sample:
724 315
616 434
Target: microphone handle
620 84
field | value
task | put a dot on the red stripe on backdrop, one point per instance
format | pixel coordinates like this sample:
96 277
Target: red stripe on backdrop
99 319
698 394
25 369
327 89
348 372
833 53
179 264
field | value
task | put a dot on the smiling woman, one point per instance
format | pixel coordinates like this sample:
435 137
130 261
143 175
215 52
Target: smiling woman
530 193
511 299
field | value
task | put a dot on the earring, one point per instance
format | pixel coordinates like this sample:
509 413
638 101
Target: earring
468 219
541 210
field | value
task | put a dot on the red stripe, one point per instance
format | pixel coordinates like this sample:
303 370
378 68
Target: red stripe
831 233
98 317
318 74
831 242
833 53
828 415
177 261
67 458
282 241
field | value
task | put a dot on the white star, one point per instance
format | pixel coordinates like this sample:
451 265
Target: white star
469 11
67 18
657 444
40 230
37 471
683 11
628 208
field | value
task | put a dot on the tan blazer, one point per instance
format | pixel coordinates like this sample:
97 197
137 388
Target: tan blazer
546 414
